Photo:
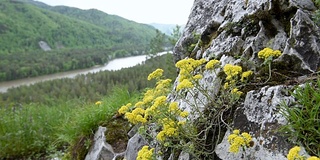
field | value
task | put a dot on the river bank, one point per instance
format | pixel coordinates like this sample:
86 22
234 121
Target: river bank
115 64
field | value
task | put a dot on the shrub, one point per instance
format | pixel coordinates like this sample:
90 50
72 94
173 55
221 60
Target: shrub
304 117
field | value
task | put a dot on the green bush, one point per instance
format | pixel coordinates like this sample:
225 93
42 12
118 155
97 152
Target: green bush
81 126
40 131
26 131
304 117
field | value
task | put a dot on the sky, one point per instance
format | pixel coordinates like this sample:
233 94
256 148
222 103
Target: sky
141 11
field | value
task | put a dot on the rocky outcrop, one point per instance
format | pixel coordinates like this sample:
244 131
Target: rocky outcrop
242 28
260 117
234 31
44 46
100 149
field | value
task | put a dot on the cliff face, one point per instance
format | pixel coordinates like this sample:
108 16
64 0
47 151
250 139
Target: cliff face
234 31
231 27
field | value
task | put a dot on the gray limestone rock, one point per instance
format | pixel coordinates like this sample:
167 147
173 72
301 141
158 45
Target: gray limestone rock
44 46
302 50
246 27
305 4
234 31
229 29
100 150
260 116
134 145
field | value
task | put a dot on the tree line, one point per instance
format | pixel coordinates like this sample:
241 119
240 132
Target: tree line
31 64
90 87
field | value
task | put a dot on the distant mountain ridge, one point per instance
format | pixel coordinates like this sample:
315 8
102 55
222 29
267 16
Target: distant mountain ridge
166 28
23 23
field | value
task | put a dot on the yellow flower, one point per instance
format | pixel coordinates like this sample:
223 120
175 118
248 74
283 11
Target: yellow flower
155 74
160 101
137 111
226 85
239 141
231 71
130 117
123 110
187 66
184 85
161 136
294 154
139 104
268 52
246 75
162 84
148 96
197 77
211 64
184 114
236 131
171 131
236 140
181 123
313 158
145 153
234 148
231 137
147 113
140 119
98 102
247 138
173 107
236 91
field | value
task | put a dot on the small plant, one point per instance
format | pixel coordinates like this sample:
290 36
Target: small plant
295 155
268 54
303 117
146 154
238 141
173 129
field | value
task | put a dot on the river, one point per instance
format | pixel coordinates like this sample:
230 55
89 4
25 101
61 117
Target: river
115 64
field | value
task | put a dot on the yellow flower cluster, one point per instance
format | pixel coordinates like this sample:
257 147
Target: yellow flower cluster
236 91
187 66
184 84
136 116
154 108
212 63
155 74
176 111
245 75
294 154
238 140
170 129
145 153
231 71
268 52
98 103
186 78
124 108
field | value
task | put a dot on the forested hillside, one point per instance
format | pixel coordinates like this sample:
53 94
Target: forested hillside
78 38
23 25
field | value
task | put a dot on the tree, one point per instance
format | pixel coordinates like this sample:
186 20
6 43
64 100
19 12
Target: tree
157 43
175 35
